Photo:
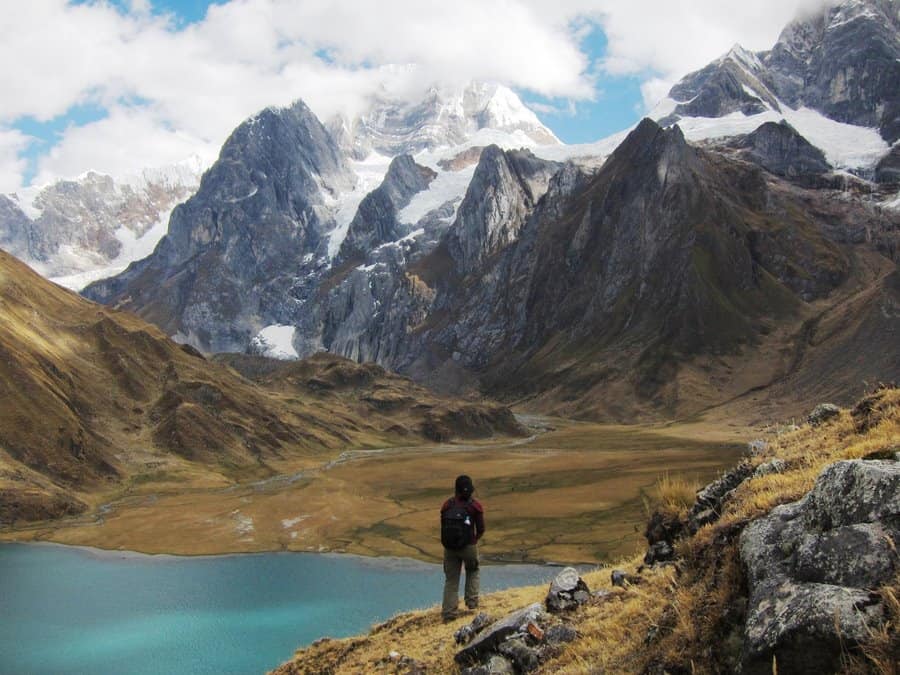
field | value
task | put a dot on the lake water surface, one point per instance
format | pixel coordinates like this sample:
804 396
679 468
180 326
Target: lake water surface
76 610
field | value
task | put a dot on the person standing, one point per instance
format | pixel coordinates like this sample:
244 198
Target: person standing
462 525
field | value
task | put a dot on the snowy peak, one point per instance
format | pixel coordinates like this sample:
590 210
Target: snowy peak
834 75
77 230
442 117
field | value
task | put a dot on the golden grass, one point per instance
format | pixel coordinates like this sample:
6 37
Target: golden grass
673 495
572 495
680 618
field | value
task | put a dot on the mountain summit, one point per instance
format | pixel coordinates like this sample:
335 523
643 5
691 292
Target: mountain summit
842 61
443 117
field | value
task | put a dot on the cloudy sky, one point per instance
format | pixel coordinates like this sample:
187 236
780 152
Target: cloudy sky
116 85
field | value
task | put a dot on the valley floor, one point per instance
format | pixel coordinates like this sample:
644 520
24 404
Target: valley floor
571 492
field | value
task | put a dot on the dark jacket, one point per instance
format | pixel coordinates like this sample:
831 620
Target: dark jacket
475 509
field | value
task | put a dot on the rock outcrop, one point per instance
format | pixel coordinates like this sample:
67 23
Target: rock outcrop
504 191
375 222
779 149
814 568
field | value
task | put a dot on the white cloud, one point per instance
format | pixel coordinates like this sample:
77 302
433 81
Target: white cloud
670 39
176 90
12 166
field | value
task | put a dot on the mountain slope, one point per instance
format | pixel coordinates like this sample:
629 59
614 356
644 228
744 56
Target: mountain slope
668 255
93 399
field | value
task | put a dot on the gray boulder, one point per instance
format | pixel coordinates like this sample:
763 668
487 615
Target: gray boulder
780 149
811 567
559 634
488 641
524 658
773 466
822 413
567 590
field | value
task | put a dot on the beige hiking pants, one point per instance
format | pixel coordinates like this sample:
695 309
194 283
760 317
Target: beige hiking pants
453 562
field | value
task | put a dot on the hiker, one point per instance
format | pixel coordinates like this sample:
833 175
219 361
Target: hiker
462 524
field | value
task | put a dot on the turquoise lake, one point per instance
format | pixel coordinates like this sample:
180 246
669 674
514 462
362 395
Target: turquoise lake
75 610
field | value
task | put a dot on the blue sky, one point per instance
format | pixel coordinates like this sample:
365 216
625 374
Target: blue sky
116 85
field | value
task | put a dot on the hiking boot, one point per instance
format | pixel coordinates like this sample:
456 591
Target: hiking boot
472 605
447 617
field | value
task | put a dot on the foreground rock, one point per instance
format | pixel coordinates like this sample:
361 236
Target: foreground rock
489 640
813 568
567 591
525 638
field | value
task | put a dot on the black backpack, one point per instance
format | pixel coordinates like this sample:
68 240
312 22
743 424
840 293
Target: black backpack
456 526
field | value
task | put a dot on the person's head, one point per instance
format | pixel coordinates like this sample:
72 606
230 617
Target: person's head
464 487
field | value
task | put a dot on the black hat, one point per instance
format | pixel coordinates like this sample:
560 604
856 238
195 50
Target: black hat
464 486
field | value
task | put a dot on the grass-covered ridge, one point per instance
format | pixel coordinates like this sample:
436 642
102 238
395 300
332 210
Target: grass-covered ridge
680 618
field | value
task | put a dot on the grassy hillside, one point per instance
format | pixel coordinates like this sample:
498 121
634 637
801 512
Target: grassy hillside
96 404
678 619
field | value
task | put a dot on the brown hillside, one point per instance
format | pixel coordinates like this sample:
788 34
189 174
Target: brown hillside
95 399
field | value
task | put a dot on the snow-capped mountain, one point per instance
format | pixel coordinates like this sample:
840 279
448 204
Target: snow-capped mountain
834 76
452 239
443 117
76 231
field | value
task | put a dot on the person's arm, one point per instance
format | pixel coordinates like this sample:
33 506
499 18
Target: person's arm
479 521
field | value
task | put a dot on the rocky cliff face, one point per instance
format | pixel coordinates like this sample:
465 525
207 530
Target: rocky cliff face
843 61
667 252
373 310
504 190
375 222
237 253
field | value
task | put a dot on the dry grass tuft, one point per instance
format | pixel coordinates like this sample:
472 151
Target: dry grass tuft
672 495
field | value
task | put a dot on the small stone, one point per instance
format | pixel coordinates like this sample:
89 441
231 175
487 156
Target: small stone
757 447
822 413
394 655
618 578
559 634
523 657
464 635
535 631
774 466
581 597
661 551
561 595
499 665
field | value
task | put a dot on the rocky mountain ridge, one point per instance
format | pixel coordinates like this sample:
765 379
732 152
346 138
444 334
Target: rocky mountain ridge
542 277
843 61
94 222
